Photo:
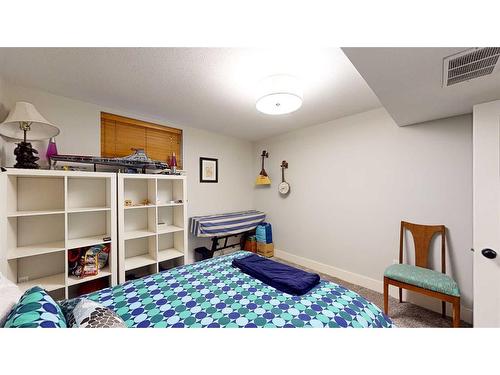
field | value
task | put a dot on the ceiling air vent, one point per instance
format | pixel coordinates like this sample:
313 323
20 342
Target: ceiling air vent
469 64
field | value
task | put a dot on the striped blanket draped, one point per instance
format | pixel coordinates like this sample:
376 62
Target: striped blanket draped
226 224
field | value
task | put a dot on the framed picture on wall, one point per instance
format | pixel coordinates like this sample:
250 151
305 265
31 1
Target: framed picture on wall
209 170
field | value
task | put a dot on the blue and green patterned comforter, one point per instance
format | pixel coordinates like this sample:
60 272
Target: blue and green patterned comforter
212 293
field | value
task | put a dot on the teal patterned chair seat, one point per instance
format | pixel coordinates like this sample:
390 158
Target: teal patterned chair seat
424 278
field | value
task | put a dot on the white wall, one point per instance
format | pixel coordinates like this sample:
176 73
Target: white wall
80 134
354 179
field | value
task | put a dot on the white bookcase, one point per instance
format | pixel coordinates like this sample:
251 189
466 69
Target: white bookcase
46 213
151 236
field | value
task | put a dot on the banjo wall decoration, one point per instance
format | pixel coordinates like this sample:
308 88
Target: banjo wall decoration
284 187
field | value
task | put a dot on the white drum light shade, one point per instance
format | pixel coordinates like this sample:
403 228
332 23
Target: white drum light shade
279 94
40 127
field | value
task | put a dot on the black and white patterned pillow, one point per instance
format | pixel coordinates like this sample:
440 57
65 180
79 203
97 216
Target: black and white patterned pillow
90 314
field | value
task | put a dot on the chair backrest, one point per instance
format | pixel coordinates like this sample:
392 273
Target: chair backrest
422 237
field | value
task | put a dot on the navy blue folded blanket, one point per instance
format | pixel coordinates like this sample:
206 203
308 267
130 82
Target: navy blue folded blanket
288 279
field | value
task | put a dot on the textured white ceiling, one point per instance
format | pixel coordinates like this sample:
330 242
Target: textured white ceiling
408 82
208 88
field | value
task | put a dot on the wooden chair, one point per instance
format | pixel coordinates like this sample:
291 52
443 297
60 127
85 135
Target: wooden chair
420 278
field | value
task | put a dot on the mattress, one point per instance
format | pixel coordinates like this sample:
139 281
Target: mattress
212 293
226 224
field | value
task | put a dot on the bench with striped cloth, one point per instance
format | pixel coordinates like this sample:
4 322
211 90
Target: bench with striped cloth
226 224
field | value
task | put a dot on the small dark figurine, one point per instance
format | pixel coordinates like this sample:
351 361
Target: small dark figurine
24 156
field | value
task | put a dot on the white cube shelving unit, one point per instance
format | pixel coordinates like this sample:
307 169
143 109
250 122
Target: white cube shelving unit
151 234
46 213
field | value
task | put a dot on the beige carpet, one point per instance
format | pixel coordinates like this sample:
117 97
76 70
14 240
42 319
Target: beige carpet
404 315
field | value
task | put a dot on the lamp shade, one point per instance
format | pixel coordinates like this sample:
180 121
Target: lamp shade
40 127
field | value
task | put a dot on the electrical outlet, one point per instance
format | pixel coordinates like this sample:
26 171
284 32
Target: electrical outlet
23 279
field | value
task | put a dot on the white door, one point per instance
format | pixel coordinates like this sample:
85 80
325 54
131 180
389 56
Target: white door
486 232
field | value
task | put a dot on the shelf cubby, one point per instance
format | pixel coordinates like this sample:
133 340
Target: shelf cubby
87 285
36 193
88 228
169 263
170 219
140 223
140 272
42 269
88 194
170 246
140 252
34 235
169 191
138 190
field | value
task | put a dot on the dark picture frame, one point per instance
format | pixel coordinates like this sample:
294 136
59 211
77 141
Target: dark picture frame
207 166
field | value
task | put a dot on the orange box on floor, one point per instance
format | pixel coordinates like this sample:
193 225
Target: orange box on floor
265 249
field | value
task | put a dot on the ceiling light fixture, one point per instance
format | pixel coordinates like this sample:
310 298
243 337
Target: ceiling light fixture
279 95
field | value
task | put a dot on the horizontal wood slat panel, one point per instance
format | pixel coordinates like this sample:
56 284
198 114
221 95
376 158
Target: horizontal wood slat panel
131 121
120 134
128 137
160 145
108 146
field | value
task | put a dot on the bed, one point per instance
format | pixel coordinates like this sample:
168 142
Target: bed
212 293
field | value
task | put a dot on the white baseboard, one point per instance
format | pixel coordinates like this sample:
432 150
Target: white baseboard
369 283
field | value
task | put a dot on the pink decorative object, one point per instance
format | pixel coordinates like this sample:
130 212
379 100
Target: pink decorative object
51 150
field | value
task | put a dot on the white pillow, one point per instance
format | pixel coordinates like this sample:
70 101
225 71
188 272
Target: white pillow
9 296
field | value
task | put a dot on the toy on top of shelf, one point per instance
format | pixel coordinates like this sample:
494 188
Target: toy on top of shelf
144 202
137 160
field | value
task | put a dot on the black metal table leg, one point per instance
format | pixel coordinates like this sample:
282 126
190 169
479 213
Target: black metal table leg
209 253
